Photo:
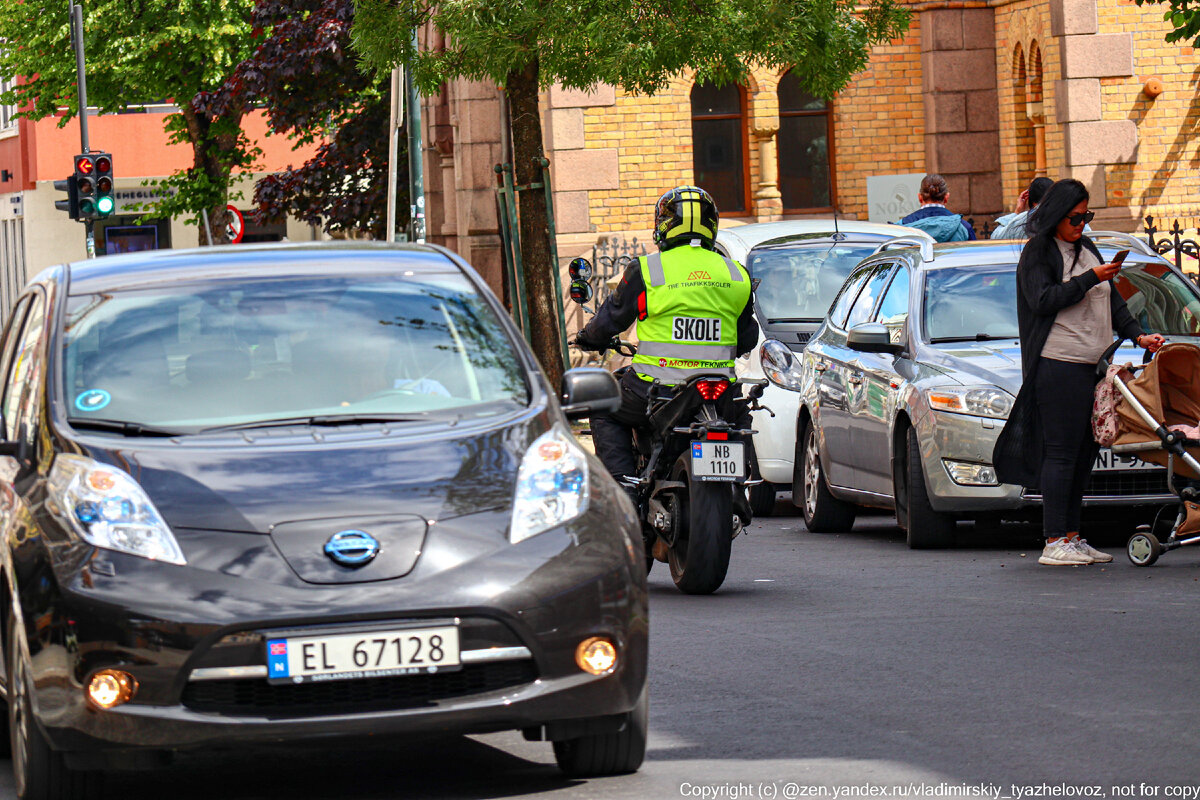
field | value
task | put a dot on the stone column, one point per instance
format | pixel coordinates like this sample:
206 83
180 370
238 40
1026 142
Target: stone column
767 200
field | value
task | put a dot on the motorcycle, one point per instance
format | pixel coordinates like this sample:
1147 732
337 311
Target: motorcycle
693 459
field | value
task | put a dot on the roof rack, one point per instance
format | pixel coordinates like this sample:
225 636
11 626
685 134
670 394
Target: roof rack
924 243
1121 238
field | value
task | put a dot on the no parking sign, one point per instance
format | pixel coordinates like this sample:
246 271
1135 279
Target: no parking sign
237 225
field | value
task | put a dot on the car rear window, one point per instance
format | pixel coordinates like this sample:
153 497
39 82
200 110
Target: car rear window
235 351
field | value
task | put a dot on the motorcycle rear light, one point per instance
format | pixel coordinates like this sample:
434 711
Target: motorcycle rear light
711 390
718 437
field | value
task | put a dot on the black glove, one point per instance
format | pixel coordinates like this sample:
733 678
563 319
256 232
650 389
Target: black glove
582 344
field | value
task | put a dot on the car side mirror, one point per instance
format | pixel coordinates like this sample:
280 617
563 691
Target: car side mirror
589 390
872 337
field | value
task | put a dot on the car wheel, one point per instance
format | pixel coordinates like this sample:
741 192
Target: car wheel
762 499
926 528
39 773
607 753
823 513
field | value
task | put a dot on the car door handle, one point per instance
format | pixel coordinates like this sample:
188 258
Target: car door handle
855 380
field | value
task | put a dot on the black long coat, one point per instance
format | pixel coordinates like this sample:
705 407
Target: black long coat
1041 294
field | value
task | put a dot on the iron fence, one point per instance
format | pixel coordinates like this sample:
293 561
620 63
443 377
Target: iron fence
1175 245
610 257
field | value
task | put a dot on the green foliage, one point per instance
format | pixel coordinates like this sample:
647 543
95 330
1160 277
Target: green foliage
635 44
138 52
1184 16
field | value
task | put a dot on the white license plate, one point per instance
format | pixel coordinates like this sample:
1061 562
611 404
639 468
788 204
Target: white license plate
718 461
371 654
1108 461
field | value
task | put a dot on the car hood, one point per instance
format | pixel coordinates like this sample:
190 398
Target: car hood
255 482
996 363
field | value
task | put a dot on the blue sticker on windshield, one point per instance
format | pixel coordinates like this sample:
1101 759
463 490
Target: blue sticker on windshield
92 400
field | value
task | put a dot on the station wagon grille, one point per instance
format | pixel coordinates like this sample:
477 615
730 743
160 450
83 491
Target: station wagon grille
253 696
1127 484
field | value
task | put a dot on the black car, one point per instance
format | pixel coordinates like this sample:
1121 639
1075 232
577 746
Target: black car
278 493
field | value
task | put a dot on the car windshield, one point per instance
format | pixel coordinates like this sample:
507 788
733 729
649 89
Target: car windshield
230 353
797 284
979 302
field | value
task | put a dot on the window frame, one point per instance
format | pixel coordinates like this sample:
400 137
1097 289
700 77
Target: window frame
743 117
831 154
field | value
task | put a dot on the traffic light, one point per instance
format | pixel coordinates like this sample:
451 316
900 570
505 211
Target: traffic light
71 204
105 201
84 181
93 185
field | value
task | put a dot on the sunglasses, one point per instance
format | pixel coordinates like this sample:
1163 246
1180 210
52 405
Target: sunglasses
1082 218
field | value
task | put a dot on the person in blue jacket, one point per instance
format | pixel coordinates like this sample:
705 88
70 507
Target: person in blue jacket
933 217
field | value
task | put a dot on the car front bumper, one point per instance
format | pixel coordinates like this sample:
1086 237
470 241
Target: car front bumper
959 437
193 638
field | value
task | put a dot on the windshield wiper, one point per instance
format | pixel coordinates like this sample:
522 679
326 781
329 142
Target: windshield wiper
329 420
979 337
122 427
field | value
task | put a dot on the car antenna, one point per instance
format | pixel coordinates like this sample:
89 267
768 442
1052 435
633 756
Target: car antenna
837 234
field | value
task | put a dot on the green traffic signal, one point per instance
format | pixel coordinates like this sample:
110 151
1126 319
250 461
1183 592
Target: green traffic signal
104 206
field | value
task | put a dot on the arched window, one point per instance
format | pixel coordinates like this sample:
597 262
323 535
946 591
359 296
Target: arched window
719 154
805 148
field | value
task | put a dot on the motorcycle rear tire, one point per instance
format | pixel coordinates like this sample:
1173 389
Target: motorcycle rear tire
703 516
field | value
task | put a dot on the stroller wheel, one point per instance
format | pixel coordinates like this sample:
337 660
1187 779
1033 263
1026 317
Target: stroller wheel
1143 549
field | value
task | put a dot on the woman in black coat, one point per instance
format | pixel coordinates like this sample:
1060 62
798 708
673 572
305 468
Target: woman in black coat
1067 310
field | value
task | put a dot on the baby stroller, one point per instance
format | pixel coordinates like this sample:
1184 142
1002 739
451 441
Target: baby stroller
1158 417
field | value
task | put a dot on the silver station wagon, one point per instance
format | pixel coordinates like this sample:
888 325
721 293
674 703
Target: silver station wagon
909 379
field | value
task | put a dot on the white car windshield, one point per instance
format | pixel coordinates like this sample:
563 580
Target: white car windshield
797 283
236 352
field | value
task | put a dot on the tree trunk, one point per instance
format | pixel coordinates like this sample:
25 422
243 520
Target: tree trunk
206 159
522 90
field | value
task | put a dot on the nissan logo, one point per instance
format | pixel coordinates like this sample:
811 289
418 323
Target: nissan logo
352 548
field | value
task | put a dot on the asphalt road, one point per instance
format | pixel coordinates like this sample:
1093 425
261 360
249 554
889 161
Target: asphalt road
843 666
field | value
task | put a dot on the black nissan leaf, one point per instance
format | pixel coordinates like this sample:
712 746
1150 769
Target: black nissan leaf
276 493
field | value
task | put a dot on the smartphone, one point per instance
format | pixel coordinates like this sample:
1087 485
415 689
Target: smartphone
1120 256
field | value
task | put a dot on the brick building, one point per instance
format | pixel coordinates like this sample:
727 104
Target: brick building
989 93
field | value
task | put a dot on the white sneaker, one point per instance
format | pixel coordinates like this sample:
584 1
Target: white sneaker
1098 556
1064 552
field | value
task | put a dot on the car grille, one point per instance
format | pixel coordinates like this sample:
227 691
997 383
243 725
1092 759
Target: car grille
1127 484
253 696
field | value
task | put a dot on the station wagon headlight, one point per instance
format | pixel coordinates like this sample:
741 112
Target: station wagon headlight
975 401
552 485
108 509
780 365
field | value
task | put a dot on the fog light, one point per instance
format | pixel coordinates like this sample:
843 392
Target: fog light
109 688
967 474
596 656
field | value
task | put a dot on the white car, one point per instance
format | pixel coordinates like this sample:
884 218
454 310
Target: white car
797 267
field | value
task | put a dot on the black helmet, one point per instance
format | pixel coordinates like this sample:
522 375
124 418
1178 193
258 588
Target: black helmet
683 214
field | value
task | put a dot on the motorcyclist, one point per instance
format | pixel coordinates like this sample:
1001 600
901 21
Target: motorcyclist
694 314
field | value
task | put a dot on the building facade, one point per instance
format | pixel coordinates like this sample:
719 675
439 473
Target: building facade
988 93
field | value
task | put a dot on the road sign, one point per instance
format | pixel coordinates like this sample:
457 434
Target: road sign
237 225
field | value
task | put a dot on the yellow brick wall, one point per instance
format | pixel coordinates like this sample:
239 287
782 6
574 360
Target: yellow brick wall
1165 179
879 121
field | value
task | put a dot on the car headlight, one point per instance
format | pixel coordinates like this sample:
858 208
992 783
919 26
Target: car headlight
780 365
552 485
108 509
975 401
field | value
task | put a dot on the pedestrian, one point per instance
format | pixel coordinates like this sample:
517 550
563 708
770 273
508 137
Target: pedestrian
1067 310
933 217
1012 226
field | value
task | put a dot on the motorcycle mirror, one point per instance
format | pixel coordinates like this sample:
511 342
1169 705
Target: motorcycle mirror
580 269
581 291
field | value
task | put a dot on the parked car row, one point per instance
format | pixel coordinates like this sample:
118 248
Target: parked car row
896 397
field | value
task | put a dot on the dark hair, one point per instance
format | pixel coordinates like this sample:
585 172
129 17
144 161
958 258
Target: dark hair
933 186
1037 190
1056 204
